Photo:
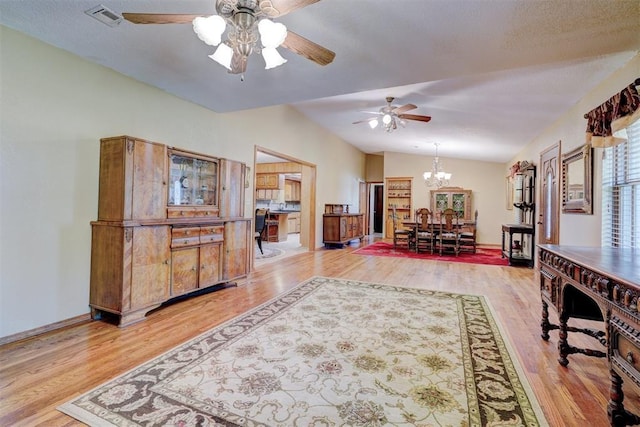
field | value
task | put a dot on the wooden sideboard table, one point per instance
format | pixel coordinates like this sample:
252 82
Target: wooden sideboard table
602 284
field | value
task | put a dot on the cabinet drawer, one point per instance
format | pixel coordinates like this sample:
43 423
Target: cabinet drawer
212 234
185 236
181 212
206 212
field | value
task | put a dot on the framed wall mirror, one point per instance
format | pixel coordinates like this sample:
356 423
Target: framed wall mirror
577 181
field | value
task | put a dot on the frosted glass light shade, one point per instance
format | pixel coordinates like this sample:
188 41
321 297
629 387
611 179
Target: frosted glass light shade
272 58
209 29
386 119
223 55
272 34
373 123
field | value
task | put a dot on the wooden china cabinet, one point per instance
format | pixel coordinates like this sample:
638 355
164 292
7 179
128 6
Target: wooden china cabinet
170 222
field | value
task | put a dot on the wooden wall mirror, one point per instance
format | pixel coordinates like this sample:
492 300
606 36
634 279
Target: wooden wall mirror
577 181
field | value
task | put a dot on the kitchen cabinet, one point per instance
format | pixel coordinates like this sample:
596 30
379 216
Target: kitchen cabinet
170 222
269 181
293 222
267 194
292 190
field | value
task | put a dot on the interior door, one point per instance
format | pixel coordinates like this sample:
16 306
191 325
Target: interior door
549 211
378 209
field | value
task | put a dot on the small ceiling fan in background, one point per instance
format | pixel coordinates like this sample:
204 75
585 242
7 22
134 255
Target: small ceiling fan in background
392 116
249 30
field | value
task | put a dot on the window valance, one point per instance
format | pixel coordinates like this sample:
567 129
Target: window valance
606 123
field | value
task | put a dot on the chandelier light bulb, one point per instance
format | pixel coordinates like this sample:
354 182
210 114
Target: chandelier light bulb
373 123
386 119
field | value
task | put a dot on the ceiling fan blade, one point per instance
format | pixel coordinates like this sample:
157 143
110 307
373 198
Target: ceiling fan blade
362 121
414 117
310 50
275 8
402 109
159 18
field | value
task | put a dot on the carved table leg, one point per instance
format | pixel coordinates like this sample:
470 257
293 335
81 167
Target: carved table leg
544 324
618 416
563 345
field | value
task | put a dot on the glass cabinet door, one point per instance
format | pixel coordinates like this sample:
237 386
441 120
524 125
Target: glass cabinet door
192 180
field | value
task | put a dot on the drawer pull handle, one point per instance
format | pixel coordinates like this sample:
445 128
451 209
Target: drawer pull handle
182 213
193 269
630 358
186 241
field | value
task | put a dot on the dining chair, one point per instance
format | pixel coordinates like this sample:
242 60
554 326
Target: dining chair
448 238
260 226
425 232
468 235
400 234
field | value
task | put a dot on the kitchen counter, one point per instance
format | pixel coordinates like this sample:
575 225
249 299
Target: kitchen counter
277 226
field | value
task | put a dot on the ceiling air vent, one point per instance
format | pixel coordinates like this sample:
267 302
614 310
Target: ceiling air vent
104 15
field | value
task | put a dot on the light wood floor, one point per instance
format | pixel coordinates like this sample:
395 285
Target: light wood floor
40 373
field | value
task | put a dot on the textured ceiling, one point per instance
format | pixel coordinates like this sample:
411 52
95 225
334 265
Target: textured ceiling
490 73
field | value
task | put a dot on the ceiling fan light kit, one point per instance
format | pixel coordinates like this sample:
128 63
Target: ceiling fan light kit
209 29
247 23
392 116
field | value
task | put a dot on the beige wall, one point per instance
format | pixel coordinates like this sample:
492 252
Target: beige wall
487 180
54 108
375 168
579 229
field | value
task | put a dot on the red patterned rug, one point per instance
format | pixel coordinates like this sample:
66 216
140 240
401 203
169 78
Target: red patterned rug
482 255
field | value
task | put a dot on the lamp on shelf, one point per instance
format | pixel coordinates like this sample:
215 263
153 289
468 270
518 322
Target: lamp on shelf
437 177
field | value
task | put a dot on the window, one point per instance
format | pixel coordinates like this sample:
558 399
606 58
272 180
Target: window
621 192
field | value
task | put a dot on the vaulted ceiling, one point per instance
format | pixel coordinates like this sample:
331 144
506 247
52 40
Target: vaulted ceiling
490 73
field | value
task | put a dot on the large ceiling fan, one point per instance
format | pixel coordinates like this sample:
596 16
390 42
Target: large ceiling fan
392 116
249 30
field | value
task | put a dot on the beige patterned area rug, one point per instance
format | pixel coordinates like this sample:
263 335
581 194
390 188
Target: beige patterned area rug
330 352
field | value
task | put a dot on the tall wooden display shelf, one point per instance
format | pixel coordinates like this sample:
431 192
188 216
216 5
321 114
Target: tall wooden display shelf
398 192
170 222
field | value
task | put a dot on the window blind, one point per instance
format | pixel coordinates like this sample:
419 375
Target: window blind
621 192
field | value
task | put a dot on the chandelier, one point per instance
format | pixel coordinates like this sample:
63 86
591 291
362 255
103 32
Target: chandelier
247 27
437 177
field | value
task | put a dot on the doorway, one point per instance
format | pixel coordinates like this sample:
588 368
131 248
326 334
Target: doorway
285 164
376 208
